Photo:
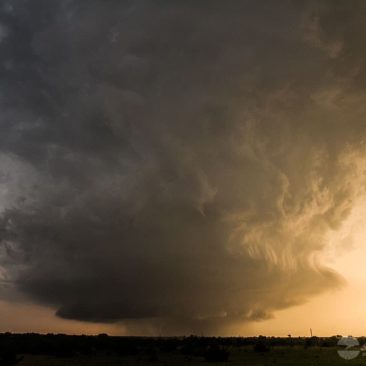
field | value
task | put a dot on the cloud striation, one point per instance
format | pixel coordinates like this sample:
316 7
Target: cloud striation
177 164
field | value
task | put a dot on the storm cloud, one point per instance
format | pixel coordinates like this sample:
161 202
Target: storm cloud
177 164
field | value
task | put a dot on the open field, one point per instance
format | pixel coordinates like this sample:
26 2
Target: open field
242 356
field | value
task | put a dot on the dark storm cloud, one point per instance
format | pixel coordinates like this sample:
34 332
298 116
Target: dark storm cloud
176 163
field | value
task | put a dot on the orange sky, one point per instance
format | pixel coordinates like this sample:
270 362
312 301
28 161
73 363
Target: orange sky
339 311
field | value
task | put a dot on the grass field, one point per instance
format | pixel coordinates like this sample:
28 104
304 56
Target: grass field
296 355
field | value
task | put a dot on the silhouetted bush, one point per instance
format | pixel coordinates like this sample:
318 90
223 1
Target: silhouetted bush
194 346
311 342
261 345
216 353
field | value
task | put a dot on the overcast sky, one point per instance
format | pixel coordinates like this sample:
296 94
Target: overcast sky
176 167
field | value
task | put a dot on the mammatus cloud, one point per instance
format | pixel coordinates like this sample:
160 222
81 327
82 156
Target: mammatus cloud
177 164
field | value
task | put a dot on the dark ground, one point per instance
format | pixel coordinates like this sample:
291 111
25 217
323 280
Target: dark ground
57 350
